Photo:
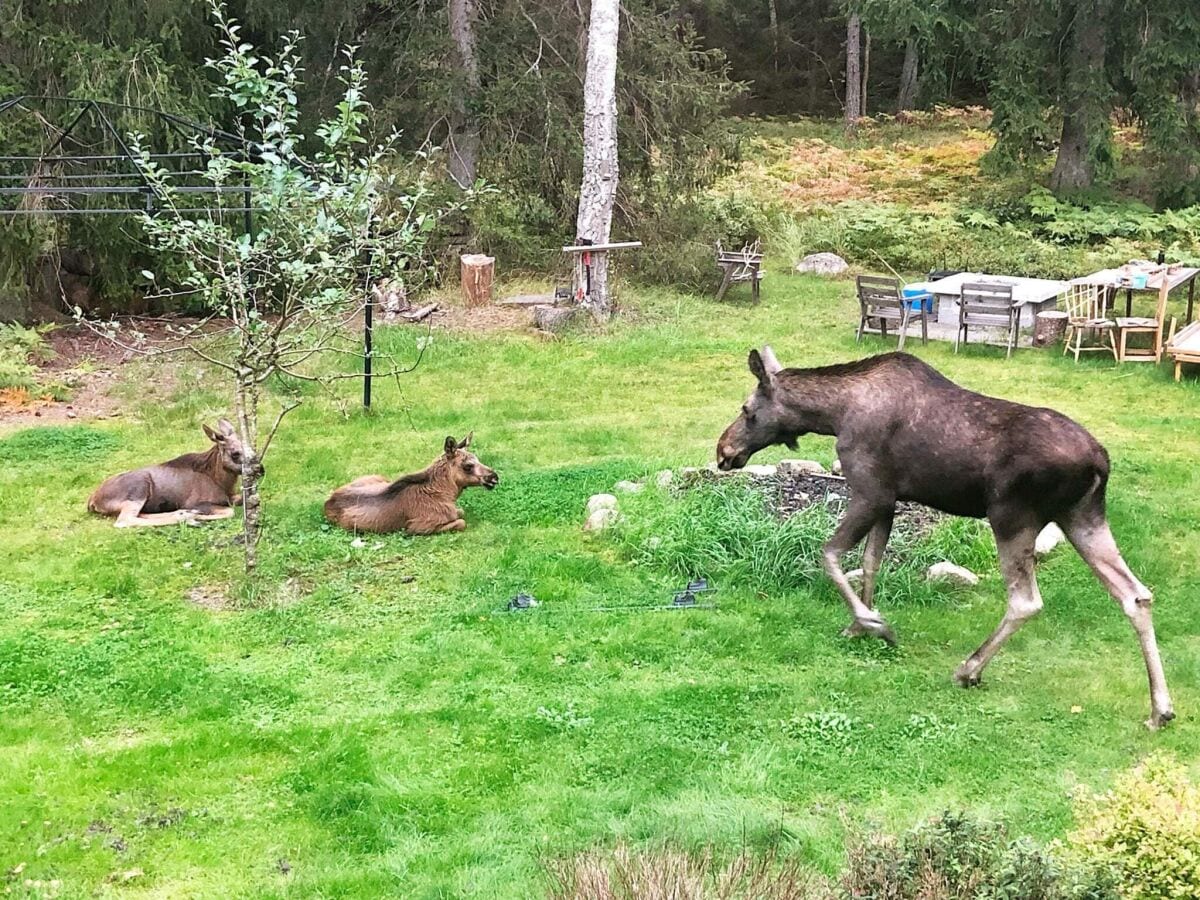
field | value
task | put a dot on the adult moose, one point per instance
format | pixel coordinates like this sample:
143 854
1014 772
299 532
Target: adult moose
195 486
422 503
1019 467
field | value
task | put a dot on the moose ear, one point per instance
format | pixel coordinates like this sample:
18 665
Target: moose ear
759 370
212 435
451 446
770 362
466 442
225 427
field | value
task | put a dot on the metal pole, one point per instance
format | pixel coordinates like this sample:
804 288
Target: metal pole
367 315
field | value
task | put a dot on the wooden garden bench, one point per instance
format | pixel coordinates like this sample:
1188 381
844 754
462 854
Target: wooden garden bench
739 266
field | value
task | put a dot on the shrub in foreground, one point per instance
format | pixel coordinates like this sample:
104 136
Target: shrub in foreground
952 857
1146 830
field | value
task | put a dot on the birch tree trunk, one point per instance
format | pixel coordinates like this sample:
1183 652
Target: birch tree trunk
853 71
597 192
464 123
908 77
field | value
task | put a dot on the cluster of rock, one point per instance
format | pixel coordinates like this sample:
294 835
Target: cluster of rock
792 485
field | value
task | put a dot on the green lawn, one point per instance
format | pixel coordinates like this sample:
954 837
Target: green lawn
367 716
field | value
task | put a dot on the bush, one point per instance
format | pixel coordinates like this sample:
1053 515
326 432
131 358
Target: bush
21 350
727 530
1146 829
629 875
959 857
953 857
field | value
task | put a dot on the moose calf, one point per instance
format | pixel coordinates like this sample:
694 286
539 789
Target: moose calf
421 503
195 486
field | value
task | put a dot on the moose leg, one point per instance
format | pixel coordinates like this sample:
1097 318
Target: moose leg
213 513
131 516
859 519
1024 600
456 525
1093 539
873 555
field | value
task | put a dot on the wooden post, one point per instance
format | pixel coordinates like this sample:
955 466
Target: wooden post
478 272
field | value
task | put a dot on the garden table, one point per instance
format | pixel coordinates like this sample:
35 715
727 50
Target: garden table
1117 279
1032 295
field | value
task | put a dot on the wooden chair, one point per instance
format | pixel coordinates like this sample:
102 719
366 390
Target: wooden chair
739 266
988 305
1086 321
1127 325
1184 347
879 299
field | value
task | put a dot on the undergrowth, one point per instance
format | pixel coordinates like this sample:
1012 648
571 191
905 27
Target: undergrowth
727 530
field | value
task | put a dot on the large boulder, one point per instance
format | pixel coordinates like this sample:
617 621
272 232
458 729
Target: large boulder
949 573
801 467
1048 540
601 501
829 264
601 519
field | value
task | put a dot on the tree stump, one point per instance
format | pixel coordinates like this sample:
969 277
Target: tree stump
1049 328
553 319
477 274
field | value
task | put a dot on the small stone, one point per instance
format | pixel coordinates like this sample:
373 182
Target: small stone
801 467
70 415
600 519
760 471
950 573
836 468
358 543
664 478
601 501
1050 538
627 487
822 264
855 577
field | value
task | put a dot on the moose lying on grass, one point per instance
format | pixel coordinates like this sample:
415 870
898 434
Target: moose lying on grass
195 486
422 503
1018 466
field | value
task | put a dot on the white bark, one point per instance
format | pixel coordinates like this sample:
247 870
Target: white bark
464 124
598 190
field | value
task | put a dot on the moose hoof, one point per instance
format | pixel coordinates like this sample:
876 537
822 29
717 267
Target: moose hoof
1159 719
967 678
877 628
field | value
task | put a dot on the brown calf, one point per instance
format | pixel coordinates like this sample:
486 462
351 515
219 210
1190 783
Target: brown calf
421 503
195 486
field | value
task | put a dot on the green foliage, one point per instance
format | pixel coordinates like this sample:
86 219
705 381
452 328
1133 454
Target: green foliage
21 350
1146 829
727 530
958 856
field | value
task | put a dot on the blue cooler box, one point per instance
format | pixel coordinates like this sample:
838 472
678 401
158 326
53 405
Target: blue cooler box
918 297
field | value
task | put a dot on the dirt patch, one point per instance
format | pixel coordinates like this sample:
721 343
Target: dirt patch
90 365
210 597
482 319
789 494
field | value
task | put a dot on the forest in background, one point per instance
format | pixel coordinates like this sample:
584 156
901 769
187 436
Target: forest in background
1095 100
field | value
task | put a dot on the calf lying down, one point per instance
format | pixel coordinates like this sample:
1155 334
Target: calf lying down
195 486
422 503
